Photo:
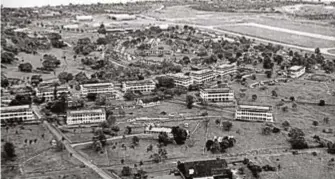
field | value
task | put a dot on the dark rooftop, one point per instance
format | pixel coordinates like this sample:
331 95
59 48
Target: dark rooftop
207 168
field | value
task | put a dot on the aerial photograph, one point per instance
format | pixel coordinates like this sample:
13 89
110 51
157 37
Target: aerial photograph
167 89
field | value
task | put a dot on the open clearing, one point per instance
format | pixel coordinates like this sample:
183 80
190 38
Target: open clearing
304 166
69 65
280 36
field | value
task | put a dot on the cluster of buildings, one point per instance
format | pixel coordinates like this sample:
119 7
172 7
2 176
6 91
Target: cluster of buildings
203 76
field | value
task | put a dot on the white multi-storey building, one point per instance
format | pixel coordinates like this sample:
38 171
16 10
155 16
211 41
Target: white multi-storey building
96 88
139 86
22 113
86 116
254 113
180 80
202 76
217 94
296 71
48 92
226 69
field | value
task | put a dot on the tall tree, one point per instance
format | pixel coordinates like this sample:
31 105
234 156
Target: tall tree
9 151
189 101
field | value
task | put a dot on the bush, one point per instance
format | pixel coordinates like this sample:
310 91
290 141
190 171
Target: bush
65 77
126 171
322 103
25 67
227 125
102 41
7 57
286 124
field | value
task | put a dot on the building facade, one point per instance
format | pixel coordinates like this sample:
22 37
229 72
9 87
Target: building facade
22 113
86 116
217 94
139 86
226 69
96 88
296 71
48 92
181 80
254 113
202 76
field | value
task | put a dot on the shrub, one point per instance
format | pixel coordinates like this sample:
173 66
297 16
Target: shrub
322 103
25 67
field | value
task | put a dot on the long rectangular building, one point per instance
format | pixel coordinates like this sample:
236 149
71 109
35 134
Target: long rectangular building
256 113
205 169
22 113
202 76
180 80
86 116
96 88
217 94
139 86
48 92
226 69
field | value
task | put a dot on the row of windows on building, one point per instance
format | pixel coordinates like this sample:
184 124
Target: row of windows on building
253 118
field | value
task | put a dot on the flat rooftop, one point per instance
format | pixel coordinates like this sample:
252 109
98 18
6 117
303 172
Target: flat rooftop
224 66
217 90
179 75
15 108
49 89
159 129
89 111
97 85
258 108
143 82
201 72
294 68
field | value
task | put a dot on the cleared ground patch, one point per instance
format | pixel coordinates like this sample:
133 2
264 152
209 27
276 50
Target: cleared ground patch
303 26
280 36
304 166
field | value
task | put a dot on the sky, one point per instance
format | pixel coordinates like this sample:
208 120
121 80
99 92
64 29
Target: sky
32 3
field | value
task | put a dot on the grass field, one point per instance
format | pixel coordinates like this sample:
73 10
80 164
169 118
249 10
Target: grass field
17 135
68 65
332 51
303 26
279 36
304 166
